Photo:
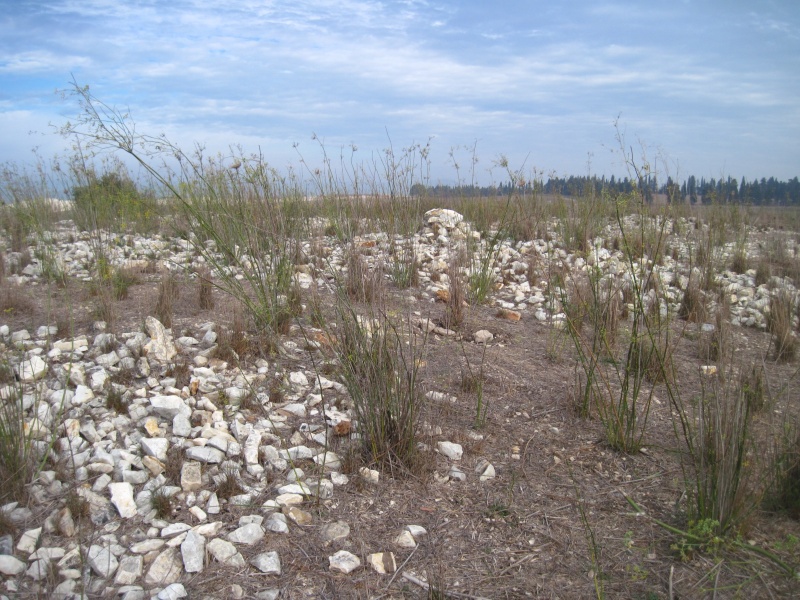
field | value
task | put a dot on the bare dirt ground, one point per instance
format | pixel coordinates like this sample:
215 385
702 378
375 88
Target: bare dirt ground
531 532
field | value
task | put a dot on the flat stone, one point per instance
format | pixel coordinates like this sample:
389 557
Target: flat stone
299 516
450 450
169 406
344 562
172 592
247 534
267 562
382 562
160 345
181 426
156 447
102 561
31 369
122 499
193 549
205 454
225 552
334 532
129 570
191 476
11 565
165 569
28 540
276 523
483 336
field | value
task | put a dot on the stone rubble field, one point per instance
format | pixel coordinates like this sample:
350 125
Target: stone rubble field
186 435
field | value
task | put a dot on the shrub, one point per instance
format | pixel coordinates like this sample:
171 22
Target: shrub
112 201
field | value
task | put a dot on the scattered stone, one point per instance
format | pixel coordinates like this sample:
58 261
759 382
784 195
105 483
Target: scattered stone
405 540
382 562
193 552
31 369
334 532
11 565
160 346
267 562
129 570
191 476
344 562
483 336
102 561
247 534
165 569
450 450
225 552
122 499
299 516
172 592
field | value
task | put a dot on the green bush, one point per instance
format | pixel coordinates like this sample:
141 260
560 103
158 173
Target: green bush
113 202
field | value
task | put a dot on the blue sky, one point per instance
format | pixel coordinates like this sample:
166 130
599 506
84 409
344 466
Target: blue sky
712 88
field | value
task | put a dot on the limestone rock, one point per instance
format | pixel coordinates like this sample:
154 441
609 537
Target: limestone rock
165 569
450 450
101 561
382 562
344 562
267 562
193 549
160 345
122 499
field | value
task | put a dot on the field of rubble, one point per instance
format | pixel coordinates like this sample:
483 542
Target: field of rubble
177 450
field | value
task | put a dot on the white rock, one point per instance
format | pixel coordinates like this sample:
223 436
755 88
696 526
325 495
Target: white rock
450 450
156 447
382 562
247 534
102 561
405 540
483 336
172 592
344 562
160 345
31 369
169 406
193 549
28 540
225 552
250 448
122 499
165 569
205 454
267 562
11 565
129 570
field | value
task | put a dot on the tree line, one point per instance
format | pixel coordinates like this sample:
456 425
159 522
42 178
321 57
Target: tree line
693 190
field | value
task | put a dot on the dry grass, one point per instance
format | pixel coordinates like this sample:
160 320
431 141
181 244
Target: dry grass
205 289
779 324
362 283
168 293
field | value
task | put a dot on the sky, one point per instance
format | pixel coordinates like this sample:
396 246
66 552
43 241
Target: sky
710 89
